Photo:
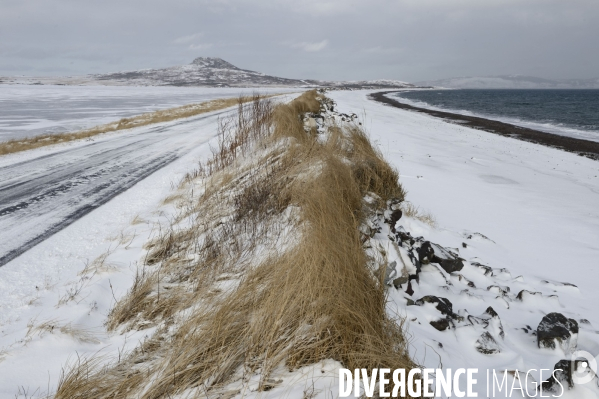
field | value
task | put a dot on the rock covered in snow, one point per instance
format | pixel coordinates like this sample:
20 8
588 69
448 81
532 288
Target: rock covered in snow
565 372
487 345
555 327
433 253
444 306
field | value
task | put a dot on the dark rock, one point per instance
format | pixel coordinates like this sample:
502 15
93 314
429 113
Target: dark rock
557 327
415 261
442 304
429 252
448 261
502 291
395 216
522 294
441 324
403 236
479 235
563 374
488 271
489 320
451 265
585 321
409 289
465 280
491 312
464 245
426 253
410 302
398 282
486 344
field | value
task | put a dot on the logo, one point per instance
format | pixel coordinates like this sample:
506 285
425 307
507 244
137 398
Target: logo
583 367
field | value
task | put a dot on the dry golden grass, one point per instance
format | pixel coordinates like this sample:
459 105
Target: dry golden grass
222 315
411 210
54 326
186 111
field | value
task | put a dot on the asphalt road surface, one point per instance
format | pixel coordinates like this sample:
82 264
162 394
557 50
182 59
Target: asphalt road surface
42 195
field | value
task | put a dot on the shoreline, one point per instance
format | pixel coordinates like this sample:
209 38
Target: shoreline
585 148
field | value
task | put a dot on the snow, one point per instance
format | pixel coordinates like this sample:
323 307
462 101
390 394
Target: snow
537 206
28 110
527 211
51 312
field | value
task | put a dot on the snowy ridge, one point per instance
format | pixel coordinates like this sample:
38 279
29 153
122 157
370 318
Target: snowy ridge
203 71
511 82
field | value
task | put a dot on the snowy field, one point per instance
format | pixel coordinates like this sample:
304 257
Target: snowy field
536 206
30 110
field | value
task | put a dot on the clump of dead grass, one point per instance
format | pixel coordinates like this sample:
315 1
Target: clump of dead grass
54 326
225 315
413 211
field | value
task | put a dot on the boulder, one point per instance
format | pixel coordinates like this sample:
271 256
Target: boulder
441 324
398 282
426 253
488 271
444 306
487 345
404 238
524 294
555 327
433 253
490 321
563 374
394 218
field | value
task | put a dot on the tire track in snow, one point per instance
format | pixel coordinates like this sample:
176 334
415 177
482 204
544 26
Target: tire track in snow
41 196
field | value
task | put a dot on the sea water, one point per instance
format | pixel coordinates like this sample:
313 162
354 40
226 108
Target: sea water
573 113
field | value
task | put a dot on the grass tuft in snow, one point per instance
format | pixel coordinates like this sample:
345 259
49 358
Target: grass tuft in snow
263 266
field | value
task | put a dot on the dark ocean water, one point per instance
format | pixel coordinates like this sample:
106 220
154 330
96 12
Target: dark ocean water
572 113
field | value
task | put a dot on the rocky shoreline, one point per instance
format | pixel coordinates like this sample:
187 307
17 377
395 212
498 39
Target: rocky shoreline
585 148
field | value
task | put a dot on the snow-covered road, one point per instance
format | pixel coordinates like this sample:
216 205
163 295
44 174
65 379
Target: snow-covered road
41 195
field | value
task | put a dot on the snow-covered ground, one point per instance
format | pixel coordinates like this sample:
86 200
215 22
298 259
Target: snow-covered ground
538 208
30 110
54 298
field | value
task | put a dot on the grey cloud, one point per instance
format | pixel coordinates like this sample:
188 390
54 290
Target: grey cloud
325 39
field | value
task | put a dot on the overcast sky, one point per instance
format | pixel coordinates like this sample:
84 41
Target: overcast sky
409 40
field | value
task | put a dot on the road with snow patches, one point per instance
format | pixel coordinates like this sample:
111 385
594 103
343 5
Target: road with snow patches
39 196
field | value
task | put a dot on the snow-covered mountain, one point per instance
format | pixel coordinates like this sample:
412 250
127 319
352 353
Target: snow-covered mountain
208 71
512 82
203 71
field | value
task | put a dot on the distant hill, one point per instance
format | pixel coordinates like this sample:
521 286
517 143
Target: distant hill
511 82
203 71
